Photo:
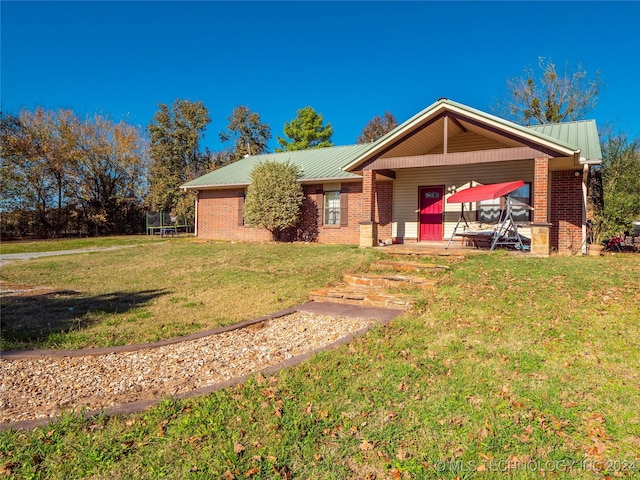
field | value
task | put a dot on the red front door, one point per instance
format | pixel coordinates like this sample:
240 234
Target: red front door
431 205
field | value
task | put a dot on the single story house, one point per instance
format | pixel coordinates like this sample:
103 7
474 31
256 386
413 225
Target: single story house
395 189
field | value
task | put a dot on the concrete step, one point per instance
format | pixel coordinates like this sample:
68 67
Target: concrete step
387 281
407 266
364 296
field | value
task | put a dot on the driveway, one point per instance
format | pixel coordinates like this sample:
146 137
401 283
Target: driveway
10 257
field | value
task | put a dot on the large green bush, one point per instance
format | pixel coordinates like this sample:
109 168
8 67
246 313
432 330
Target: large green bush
274 197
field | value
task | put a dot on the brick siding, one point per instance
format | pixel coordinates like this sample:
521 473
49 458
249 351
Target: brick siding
566 212
540 190
219 216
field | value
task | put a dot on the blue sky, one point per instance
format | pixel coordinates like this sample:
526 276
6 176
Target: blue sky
348 60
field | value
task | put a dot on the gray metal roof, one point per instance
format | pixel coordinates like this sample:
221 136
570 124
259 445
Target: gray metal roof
315 164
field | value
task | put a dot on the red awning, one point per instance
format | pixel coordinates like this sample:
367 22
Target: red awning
484 192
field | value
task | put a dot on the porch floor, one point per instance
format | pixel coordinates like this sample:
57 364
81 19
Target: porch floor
435 248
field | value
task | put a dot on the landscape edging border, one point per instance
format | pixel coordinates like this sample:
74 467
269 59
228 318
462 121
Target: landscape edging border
141 405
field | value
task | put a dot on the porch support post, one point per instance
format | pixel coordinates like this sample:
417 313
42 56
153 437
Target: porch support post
540 227
368 225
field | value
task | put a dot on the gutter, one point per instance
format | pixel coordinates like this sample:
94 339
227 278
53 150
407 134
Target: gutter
354 178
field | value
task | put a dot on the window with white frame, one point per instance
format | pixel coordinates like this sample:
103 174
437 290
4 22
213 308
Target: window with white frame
489 210
332 208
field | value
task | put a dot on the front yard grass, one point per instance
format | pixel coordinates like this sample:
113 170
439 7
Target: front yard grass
511 368
28 246
155 291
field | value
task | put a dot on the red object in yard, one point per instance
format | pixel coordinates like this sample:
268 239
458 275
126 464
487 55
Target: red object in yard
484 192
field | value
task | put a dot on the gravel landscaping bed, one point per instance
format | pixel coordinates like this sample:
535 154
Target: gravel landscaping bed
44 387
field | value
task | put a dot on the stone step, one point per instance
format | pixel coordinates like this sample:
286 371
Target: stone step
407 266
364 296
387 281
423 252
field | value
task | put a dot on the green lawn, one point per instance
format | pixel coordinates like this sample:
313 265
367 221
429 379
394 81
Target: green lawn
161 290
512 368
24 246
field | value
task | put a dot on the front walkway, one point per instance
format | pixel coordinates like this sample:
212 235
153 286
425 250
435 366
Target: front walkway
127 379
6 258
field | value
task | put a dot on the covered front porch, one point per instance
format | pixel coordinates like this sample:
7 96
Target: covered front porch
448 148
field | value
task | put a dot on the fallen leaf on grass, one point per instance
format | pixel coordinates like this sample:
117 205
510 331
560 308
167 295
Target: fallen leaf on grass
402 455
195 439
161 426
238 448
251 472
283 472
365 445
8 468
598 448
522 438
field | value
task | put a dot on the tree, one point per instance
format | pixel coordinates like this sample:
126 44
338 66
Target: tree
249 135
274 197
175 133
377 128
305 131
620 172
38 149
552 97
62 174
111 164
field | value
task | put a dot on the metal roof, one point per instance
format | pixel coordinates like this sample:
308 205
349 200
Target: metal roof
332 163
443 105
315 164
583 134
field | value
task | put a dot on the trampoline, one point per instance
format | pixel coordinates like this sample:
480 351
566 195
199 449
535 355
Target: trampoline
163 224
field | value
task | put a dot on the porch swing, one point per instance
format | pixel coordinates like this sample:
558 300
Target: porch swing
507 231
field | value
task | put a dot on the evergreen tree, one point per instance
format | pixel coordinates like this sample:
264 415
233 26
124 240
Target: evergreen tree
305 131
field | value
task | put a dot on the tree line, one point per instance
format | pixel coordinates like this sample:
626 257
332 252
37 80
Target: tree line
66 175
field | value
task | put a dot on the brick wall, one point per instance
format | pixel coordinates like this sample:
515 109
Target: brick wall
219 216
566 212
540 190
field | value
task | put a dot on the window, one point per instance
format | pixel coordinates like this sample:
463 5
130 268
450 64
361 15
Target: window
489 210
332 208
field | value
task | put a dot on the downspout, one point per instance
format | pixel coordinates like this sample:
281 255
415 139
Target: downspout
585 179
195 227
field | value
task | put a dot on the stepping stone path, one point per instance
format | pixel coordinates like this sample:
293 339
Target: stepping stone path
372 289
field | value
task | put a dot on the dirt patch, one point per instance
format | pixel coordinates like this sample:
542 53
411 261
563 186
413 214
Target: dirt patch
9 289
